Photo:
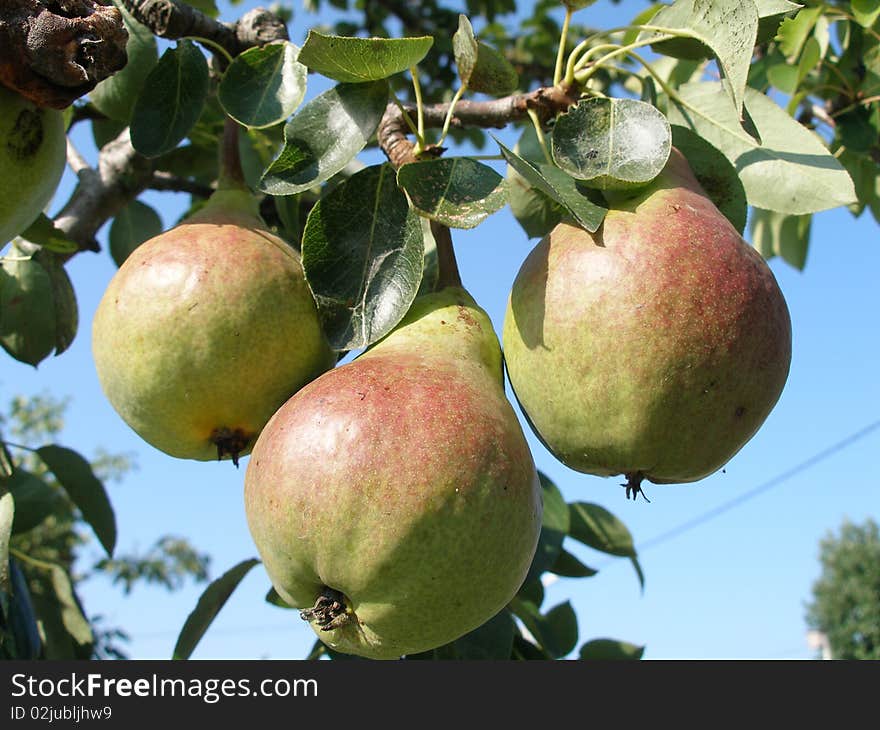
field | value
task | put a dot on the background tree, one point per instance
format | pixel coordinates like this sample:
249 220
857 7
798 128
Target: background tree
846 597
51 546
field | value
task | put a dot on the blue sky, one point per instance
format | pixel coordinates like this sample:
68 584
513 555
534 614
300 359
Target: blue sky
730 587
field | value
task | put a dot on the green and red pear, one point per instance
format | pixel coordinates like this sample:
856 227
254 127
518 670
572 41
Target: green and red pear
654 348
33 153
206 330
394 499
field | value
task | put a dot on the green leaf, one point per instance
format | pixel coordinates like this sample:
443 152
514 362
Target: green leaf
791 171
597 528
35 500
356 60
770 14
568 566
191 161
171 100
22 631
493 73
560 187
85 489
559 630
27 307
456 191
777 234
134 224
116 95
63 299
810 57
865 174
38 311
210 602
532 589
728 27
554 528
610 649
793 32
274 599
525 650
492 640
533 209
311 155
362 253
556 631
264 85
64 630
430 260
783 76
637 566
257 148
612 144
465 49
480 67
866 12
45 234
715 174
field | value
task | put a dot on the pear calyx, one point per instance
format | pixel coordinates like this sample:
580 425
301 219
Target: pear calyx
331 611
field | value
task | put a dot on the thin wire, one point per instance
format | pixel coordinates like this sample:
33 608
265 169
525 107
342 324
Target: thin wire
760 489
654 541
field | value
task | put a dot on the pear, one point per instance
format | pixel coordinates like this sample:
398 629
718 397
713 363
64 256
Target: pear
206 330
395 498
32 157
655 347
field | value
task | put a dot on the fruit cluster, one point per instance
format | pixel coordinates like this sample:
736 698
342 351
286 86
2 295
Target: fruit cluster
394 499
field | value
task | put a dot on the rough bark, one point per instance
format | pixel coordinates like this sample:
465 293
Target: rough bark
54 51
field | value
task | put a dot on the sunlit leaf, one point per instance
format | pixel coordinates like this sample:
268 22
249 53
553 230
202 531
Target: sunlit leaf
355 60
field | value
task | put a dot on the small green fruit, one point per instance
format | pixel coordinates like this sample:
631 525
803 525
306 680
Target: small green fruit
655 347
32 157
395 499
206 330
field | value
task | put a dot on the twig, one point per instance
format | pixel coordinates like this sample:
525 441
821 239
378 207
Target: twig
546 102
166 182
171 20
122 174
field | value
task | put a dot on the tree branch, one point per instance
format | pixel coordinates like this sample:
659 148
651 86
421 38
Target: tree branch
121 176
123 173
393 130
168 19
165 181
547 101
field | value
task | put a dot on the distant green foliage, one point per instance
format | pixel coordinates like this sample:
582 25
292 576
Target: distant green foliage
846 598
56 547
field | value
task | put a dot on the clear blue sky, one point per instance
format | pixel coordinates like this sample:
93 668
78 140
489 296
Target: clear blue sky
731 587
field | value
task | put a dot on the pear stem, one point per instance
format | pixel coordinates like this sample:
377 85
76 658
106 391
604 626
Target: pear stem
447 265
231 172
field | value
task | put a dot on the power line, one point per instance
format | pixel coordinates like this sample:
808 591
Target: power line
760 489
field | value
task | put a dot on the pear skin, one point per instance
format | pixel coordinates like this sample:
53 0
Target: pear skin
655 347
206 330
394 498
33 154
